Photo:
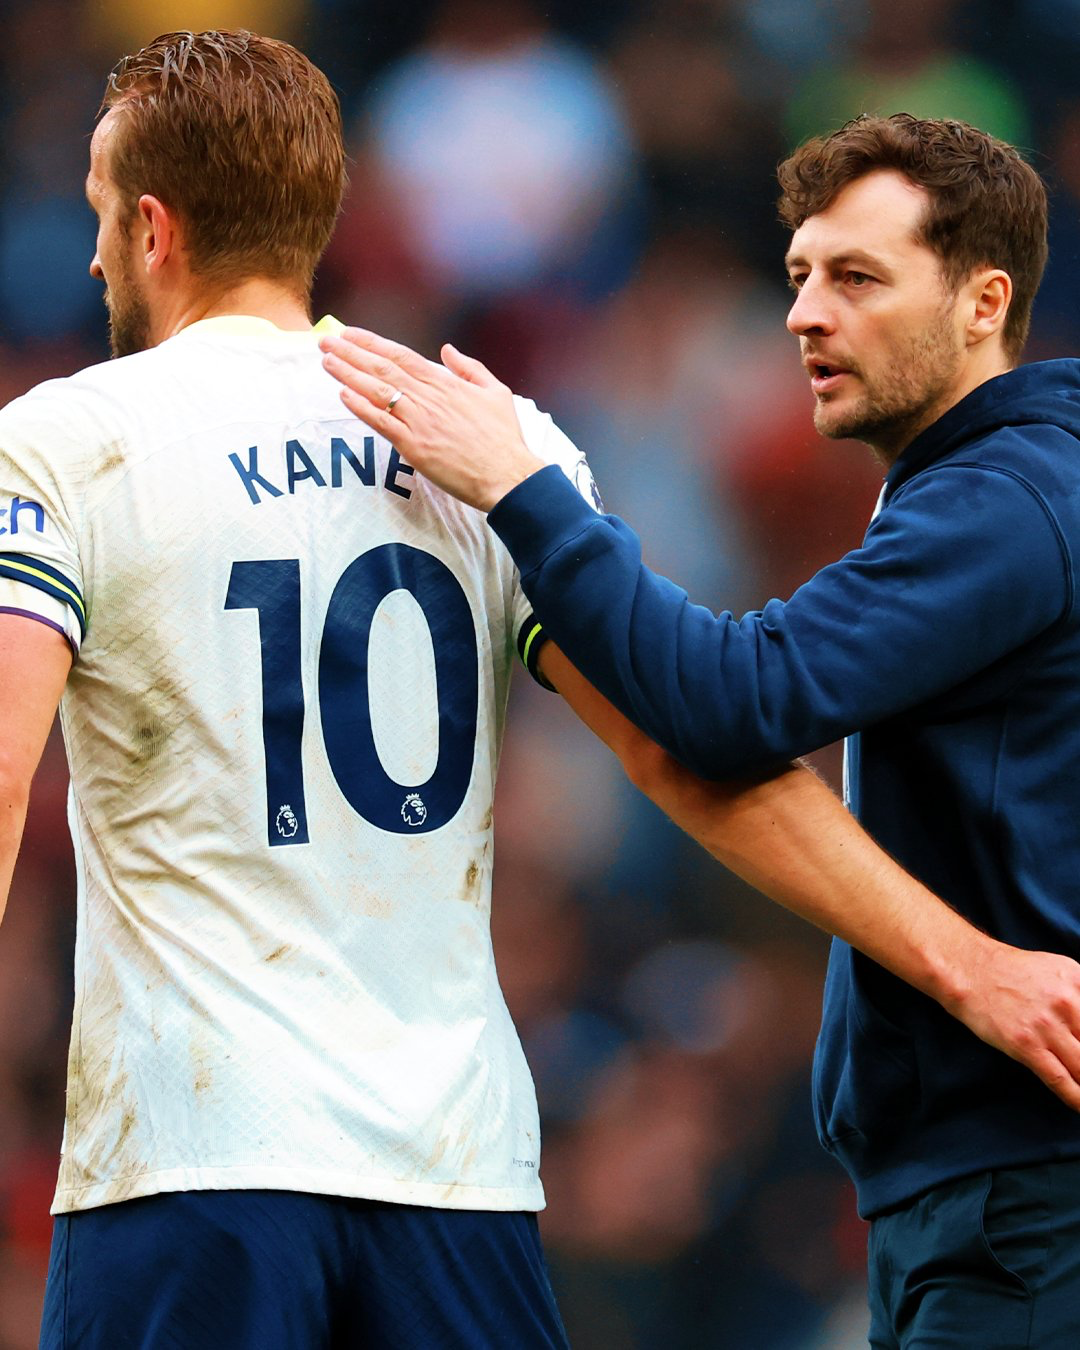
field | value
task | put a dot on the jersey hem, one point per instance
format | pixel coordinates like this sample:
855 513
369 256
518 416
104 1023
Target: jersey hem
449 1195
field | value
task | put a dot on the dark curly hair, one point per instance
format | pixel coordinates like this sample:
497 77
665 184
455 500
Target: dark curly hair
986 208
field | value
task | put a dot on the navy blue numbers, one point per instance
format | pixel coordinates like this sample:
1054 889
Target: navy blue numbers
343 687
273 588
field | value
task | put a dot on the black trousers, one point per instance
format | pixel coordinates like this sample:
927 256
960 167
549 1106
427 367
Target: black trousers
990 1262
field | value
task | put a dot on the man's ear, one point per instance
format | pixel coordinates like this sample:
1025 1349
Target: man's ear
989 293
158 232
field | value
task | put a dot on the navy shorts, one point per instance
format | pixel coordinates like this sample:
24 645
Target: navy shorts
278 1270
990 1262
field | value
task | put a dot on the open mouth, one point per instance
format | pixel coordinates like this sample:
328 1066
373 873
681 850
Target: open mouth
825 377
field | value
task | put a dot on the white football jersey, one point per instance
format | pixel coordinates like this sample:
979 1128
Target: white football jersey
282 727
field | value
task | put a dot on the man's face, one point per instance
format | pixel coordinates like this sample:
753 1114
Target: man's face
115 256
879 331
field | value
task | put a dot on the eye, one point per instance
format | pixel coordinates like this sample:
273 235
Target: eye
857 279
795 280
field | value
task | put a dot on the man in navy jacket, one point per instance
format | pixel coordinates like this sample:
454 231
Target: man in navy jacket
946 649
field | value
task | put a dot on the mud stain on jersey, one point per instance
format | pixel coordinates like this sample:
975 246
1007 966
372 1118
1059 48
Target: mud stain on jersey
127 1124
93 1104
278 953
201 1057
112 458
374 905
156 714
150 738
473 891
436 1155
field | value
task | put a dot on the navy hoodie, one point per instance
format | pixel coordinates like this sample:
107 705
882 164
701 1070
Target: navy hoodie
947 649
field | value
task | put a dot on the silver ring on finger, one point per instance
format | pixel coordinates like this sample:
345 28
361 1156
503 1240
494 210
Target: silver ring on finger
395 397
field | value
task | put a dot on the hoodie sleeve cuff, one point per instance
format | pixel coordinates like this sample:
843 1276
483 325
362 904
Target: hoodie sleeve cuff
539 516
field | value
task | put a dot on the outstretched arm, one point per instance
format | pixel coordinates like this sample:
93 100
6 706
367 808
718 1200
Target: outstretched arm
961 568
34 665
789 836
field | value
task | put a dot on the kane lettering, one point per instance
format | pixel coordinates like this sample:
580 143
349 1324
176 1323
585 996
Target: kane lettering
300 467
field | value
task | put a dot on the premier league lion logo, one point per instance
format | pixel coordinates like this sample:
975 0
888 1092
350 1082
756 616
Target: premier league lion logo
286 822
413 810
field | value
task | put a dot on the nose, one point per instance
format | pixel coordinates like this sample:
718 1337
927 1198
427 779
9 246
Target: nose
96 270
812 311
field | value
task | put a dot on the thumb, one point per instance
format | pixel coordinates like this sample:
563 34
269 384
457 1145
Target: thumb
467 367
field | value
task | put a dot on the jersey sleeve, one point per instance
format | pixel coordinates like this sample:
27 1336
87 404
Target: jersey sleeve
552 445
41 575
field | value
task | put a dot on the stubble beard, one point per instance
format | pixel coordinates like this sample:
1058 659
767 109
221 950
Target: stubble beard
911 394
129 317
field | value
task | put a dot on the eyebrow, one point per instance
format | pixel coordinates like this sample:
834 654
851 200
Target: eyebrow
854 255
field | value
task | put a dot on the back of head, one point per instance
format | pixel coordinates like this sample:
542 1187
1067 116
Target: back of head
987 206
240 135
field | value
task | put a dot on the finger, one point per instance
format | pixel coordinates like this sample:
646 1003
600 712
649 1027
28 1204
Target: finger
378 392
386 424
367 362
1064 1045
396 352
1057 1078
468 367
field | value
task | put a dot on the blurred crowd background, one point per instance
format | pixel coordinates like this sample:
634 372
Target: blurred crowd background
583 196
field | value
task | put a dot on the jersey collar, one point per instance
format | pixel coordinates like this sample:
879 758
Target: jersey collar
248 325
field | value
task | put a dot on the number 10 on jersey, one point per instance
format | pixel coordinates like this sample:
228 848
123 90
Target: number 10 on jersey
273 588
